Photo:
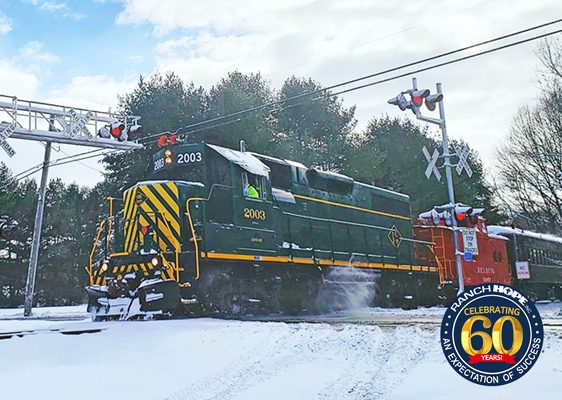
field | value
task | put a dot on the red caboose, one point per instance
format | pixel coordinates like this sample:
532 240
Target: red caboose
484 255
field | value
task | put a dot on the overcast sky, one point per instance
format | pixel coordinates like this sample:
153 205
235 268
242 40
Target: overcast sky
86 53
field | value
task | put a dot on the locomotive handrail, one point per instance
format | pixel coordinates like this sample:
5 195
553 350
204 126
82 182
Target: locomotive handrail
193 234
110 223
90 268
192 228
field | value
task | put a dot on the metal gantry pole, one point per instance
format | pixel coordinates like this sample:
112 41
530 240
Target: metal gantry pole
35 244
448 175
450 188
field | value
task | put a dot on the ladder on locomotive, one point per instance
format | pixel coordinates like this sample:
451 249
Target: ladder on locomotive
445 266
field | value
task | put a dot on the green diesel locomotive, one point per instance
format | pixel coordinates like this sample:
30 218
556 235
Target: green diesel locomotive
221 231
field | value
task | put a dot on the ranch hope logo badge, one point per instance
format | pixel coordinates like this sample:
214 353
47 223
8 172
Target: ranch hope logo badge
492 334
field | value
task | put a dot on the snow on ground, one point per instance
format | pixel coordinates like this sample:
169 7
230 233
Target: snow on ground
207 358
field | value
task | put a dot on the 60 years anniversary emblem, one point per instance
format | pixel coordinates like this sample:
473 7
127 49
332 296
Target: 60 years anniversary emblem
492 334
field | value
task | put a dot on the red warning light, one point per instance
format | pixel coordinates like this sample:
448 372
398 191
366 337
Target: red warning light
417 100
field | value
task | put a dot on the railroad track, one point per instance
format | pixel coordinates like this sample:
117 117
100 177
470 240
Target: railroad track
386 321
63 331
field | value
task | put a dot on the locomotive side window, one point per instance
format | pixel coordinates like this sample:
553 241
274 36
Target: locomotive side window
253 186
280 174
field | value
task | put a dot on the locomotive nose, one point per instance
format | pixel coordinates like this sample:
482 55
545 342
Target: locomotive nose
152 218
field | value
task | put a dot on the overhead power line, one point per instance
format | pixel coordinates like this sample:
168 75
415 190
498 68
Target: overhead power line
456 60
383 72
240 115
65 160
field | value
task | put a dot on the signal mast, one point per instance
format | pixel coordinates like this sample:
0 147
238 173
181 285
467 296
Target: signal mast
417 98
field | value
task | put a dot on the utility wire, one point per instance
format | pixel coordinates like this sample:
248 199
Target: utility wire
383 37
89 154
66 160
39 166
376 82
263 106
456 60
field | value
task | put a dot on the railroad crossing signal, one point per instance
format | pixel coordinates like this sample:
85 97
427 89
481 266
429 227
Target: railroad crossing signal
462 154
52 123
399 101
395 236
431 163
45 122
417 98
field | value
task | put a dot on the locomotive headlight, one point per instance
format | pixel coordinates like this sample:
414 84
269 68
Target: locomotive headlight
154 261
168 159
104 267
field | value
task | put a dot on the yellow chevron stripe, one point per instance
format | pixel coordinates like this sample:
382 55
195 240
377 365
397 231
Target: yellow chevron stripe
173 203
163 230
158 206
173 188
130 208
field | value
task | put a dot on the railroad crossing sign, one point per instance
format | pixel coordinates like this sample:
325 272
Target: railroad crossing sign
395 236
9 128
5 134
462 154
431 163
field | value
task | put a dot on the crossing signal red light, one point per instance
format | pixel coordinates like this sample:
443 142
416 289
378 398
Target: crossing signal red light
432 100
417 96
462 214
117 131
